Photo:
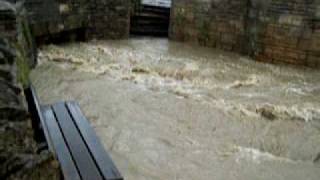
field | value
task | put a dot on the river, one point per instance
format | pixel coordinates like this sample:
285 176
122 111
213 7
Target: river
167 110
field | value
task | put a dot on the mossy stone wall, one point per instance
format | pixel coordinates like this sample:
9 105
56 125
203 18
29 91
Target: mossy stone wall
19 155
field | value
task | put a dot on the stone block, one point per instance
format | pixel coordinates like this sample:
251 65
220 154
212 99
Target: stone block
288 19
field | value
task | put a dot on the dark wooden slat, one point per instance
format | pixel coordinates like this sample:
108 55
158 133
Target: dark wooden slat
59 146
36 112
79 151
103 160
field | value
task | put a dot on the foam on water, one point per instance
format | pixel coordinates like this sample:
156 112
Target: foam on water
257 156
196 100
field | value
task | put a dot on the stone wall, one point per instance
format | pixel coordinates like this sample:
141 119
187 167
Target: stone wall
285 31
211 23
19 154
109 19
103 19
15 28
49 17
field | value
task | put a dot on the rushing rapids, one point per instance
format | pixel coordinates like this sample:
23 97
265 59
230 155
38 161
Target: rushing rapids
167 110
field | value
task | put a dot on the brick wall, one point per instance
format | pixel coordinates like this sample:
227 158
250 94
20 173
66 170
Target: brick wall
285 31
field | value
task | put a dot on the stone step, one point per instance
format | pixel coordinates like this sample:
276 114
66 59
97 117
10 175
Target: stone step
153 9
142 21
149 31
154 16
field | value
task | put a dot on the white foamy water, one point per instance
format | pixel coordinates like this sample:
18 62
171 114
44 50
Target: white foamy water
257 156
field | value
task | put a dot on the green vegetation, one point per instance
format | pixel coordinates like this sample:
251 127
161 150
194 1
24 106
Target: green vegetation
22 65
24 47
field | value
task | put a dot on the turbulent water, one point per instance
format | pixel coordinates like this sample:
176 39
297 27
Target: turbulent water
166 110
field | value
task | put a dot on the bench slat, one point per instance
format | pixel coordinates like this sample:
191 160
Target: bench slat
59 146
86 166
103 160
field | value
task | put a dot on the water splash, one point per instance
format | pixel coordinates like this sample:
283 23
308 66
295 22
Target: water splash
257 156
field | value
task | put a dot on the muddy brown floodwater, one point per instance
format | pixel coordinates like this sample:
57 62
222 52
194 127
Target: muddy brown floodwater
166 110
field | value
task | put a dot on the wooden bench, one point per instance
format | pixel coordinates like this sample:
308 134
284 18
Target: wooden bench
71 139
